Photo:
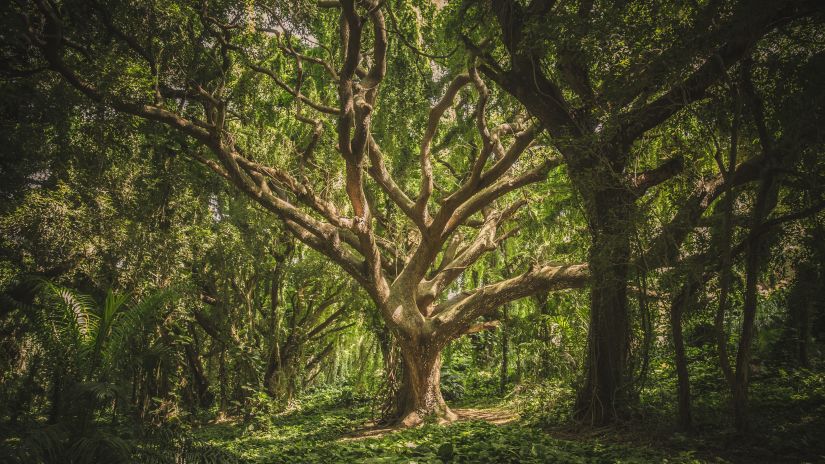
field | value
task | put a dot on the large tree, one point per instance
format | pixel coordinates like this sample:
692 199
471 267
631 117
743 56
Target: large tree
601 77
209 71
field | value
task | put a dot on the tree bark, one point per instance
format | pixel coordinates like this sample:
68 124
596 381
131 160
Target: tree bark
602 399
200 384
420 393
505 350
392 368
743 355
683 380
766 199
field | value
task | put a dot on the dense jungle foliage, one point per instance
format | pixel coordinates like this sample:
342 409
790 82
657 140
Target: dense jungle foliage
412 231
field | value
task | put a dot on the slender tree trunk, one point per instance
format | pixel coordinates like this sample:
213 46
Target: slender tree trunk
766 199
719 322
505 350
726 271
545 365
604 397
683 380
647 333
743 355
199 381
274 363
804 333
765 202
801 306
222 380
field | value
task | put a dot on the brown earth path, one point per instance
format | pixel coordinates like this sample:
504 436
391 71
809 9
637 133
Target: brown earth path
496 416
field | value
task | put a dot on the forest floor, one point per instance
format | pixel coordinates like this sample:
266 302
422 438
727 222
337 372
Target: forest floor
492 415
481 435
333 431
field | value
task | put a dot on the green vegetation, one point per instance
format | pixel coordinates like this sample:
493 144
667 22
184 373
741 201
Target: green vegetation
334 426
412 231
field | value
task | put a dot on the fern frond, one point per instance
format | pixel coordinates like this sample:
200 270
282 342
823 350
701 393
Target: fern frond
132 322
77 311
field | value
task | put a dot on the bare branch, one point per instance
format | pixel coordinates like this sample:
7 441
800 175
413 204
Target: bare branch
436 113
665 247
459 312
644 181
481 327
317 106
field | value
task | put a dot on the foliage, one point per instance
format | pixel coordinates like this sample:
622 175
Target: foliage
204 284
325 430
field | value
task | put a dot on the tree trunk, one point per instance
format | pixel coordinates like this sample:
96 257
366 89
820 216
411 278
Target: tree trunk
222 378
802 306
804 333
765 202
603 398
392 368
200 383
420 393
683 380
766 199
726 272
743 355
505 351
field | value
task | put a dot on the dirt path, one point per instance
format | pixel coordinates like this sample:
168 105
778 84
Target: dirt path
496 416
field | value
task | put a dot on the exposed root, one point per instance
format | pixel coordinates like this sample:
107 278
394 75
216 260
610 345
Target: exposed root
414 418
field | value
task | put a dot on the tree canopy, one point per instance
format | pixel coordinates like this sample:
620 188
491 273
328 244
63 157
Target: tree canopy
220 207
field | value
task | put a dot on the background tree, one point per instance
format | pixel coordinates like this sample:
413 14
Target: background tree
599 108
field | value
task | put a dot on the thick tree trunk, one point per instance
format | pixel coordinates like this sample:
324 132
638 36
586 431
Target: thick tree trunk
280 368
603 398
420 393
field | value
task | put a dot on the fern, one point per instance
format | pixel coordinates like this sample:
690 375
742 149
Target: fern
163 445
88 348
133 322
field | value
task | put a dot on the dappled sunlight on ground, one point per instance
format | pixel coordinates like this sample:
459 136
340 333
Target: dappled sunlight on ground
496 416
